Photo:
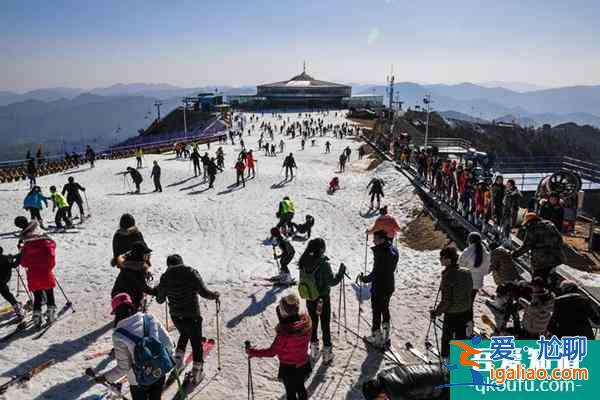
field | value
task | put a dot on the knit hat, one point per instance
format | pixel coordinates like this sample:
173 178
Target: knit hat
127 221
530 216
568 286
21 222
119 300
289 305
174 259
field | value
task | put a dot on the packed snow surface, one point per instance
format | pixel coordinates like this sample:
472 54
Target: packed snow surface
222 233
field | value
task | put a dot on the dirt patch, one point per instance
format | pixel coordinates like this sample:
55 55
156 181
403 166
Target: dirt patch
420 234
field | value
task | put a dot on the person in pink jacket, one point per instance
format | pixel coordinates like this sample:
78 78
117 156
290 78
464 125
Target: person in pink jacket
385 222
290 347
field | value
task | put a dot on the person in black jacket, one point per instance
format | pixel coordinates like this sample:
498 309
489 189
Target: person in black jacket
134 275
286 256
195 157
553 211
7 263
156 176
289 164
181 285
211 168
136 177
572 313
125 237
71 189
376 191
385 260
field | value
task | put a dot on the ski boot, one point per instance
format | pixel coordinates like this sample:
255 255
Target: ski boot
327 355
314 351
179 355
375 340
285 278
196 375
37 319
19 312
51 314
385 335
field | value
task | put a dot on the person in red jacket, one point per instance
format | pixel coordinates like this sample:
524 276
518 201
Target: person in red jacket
385 223
250 164
38 257
290 347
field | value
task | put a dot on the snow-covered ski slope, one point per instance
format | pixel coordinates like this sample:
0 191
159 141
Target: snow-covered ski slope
220 232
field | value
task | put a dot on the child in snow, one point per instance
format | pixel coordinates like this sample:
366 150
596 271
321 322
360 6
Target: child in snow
286 256
129 321
62 214
334 185
7 263
34 202
290 347
38 257
306 227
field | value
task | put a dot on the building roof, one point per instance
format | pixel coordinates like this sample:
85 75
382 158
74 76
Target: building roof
303 80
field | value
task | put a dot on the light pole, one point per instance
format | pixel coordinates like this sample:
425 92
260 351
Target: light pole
427 101
184 119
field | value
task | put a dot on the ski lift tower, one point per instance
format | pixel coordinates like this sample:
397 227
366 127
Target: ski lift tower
427 101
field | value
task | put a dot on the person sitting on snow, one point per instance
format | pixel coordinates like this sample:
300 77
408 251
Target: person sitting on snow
306 227
334 185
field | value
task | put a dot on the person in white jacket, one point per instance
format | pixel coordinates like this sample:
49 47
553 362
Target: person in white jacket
476 259
127 317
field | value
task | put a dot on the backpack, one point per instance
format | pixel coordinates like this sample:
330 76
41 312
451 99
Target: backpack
151 361
307 284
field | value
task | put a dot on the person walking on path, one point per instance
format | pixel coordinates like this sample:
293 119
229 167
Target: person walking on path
181 285
156 177
290 347
382 279
315 283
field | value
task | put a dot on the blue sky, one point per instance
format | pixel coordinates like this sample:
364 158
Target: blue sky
195 42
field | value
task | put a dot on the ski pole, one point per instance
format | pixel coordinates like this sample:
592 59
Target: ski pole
167 315
431 319
218 309
250 381
366 250
24 286
360 289
340 304
69 303
87 203
345 315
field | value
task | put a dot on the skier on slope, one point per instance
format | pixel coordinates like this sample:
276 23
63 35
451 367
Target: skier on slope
71 189
239 172
376 185
286 213
181 285
195 157
211 169
290 347
136 177
386 223
38 257
285 258
155 175
327 147
130 322
33 203
289 164
205 161
382 279
125 237
7 264
220 158
139 154
315 283
251 164
61 206
134 275
342 162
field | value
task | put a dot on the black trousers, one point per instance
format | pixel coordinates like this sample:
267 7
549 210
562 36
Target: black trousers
240 176
38 298
152 392
6 294
454 327
197 169
190 330
211 181
284 262
380 305
378 195
62 216
293 379
157 185
79 203
291 172
324 318
35 213
139 162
